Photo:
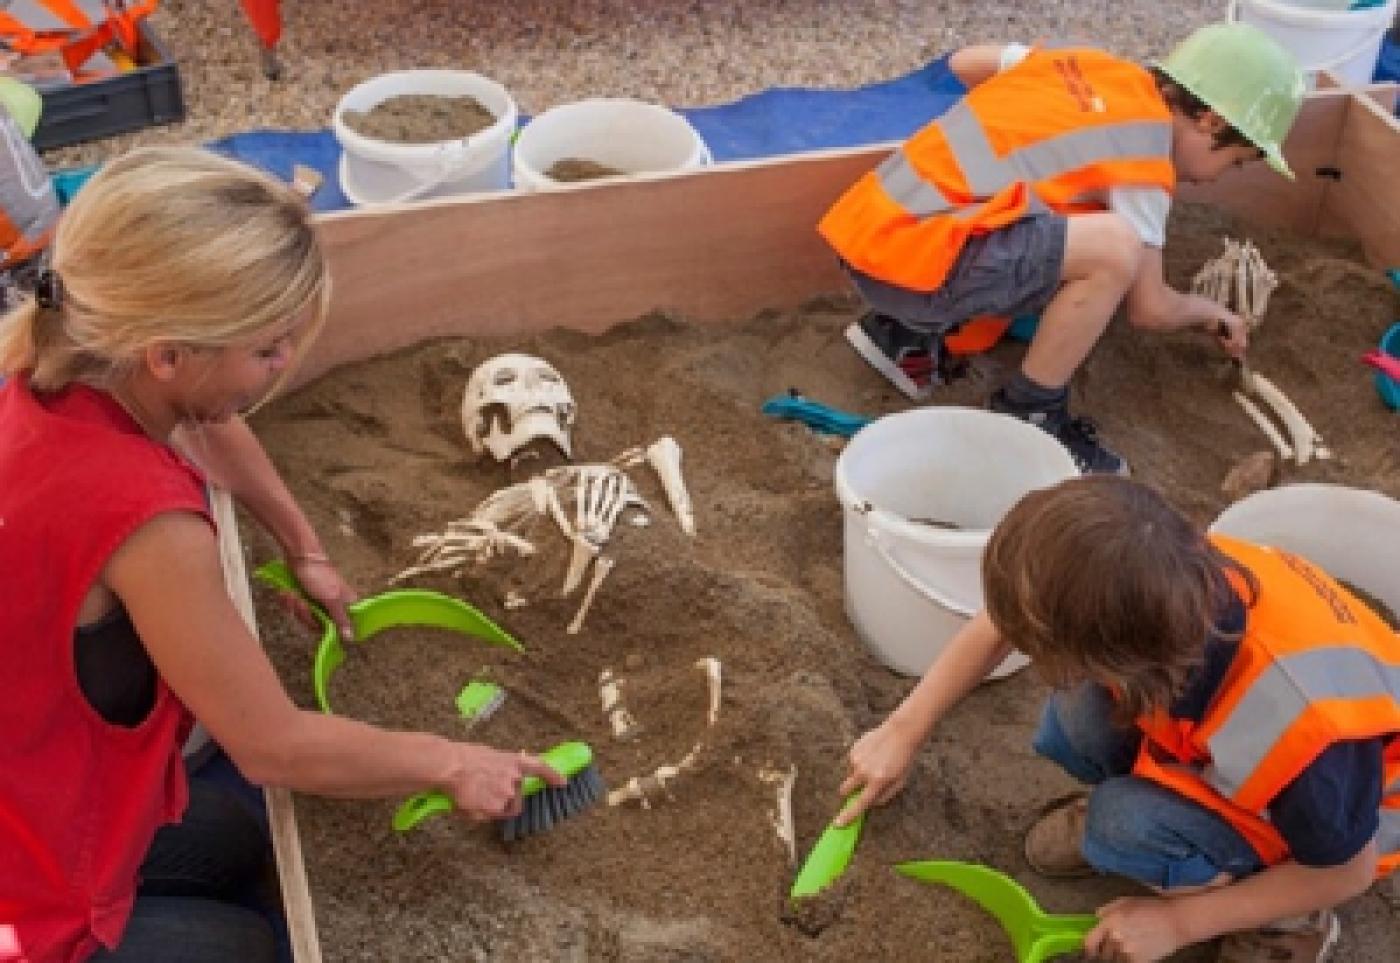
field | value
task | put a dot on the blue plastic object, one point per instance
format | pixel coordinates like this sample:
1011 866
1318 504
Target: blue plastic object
815 415
1024 327
1387 386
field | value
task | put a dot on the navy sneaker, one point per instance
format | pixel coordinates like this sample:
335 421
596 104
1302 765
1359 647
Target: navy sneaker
1079 435
908 359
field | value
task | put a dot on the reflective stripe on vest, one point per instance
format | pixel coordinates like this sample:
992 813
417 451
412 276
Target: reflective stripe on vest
1280 697
986 173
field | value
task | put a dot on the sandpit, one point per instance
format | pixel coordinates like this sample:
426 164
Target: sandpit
374 451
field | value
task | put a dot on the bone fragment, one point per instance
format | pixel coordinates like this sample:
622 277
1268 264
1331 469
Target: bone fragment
583 553
601 568
711 667
1285 451
514 600
624 724
1304 437
664 455
781 816
645 788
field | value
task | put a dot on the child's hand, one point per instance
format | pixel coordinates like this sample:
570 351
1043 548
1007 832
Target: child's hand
1135 930
1232 333
322 582
879 762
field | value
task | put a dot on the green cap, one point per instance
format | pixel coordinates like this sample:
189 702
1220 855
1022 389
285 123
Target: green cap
1245 76
22 102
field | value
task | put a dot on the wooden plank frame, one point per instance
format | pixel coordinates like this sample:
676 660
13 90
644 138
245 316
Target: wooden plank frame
714 245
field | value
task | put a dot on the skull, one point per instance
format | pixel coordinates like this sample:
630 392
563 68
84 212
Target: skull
511 400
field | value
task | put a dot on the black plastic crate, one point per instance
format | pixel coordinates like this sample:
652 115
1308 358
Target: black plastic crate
144 97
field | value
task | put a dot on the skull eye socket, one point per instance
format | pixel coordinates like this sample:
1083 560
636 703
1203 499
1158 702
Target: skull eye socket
503 377
549 376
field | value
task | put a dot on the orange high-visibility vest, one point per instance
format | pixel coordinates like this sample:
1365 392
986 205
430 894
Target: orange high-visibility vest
1315 667
1053 132
83 38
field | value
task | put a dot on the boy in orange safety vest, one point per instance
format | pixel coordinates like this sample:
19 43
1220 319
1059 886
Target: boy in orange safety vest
1235 709
1046 190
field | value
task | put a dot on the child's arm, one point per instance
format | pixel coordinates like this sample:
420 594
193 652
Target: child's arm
1154 305
1150 928
880 759
972 65
233 458
207 656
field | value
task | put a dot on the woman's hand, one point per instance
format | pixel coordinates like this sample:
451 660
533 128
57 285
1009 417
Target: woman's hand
324 585
1135 930
879 765
486 785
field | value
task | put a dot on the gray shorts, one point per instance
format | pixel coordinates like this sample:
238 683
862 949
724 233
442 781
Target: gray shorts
1010 272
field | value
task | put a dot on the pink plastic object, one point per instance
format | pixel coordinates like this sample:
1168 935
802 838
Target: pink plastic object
1383 363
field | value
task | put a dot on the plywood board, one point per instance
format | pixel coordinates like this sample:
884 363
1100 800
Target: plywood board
1365 202
286 841
1256 193
712 245
716 244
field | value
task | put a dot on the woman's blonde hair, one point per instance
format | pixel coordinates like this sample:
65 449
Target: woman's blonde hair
167 245
1100 579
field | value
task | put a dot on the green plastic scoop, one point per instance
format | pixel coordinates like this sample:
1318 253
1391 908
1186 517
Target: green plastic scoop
829 857
1035 934
397 609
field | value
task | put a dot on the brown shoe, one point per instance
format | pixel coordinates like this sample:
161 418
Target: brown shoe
1307 939
1054 843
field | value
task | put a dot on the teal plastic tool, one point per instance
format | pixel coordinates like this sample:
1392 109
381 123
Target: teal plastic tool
829 857
1035 934
819 417
401 608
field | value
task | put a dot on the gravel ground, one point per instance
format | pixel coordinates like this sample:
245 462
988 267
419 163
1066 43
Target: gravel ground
676 52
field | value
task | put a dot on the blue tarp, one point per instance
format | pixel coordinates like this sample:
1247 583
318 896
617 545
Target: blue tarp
777 121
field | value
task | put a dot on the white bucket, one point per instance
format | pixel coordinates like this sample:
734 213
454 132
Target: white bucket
1352 533
1345 42
911 586
374 171
628 135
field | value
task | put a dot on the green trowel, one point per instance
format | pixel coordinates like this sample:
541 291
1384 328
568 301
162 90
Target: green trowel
1035 934
829 857
399 608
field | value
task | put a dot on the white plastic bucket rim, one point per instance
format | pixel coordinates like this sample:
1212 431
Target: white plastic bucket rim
1344 42
911 586
1351 533
632 136
374 171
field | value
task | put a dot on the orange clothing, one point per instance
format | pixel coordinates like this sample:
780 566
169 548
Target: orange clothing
1054 132
1315 667
82 39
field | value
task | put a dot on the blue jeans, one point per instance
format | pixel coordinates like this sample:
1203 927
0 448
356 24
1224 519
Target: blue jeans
194 882
1135 827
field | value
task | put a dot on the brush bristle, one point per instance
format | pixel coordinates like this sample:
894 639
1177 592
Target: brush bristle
549 806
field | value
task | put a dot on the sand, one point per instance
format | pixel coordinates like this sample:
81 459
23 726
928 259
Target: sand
376 455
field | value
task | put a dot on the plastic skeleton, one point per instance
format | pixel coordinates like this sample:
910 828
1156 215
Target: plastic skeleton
1240 280
645 788
585 502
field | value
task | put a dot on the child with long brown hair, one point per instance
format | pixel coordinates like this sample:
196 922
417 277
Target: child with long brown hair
1234 709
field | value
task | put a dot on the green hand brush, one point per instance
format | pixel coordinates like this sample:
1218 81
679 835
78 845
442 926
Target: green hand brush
543 804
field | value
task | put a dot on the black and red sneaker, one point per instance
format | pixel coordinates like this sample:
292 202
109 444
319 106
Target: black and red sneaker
908 359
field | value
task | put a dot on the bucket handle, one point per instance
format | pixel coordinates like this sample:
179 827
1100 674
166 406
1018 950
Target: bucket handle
449 169
875 537
1231 16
